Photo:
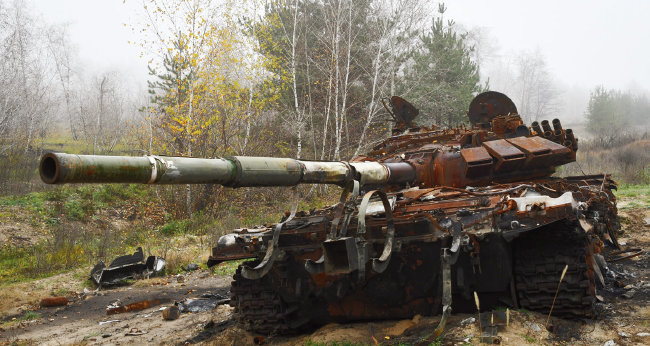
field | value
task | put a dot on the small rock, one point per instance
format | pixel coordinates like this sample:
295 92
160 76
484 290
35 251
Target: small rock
468 321
534 327
642 334
171 313
609 343
191 267
623 334
629 287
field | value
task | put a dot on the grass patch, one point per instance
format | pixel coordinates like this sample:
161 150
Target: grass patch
27 316
227 268
529 339
634 196
630 190
174 227
78 233
30 315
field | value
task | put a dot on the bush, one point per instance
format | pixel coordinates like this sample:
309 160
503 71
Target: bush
174 227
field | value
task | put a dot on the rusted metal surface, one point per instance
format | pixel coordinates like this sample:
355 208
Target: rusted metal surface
127 267
137 306
502 238
54 301
428 214
489 105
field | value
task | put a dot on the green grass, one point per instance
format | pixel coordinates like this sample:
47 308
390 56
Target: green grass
629 190
20 264
529 339
227 268
27 316
76 203
30 315
636 196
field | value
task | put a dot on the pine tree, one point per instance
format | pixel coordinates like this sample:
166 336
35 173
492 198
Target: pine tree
442 79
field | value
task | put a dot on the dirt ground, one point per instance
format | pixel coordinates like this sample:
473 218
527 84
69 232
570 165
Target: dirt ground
624 314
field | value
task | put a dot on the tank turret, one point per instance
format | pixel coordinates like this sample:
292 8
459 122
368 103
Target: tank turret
498 148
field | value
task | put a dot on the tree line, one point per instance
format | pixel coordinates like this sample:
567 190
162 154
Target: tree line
296 78
45 92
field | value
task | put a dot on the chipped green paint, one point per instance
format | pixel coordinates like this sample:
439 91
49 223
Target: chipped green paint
236 171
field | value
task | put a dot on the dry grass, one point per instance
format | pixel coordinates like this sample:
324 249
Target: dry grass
23 296
181 251
628 162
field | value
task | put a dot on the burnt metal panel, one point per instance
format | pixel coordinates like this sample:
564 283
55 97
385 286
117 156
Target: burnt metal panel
508 156
478 161
541 152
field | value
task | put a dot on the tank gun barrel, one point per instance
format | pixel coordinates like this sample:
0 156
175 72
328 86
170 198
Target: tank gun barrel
236 171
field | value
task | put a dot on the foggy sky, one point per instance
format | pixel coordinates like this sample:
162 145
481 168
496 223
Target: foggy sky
586 43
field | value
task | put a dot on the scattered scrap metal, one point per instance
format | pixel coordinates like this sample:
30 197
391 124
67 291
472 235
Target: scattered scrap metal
205 302
140 305
54 301
127 267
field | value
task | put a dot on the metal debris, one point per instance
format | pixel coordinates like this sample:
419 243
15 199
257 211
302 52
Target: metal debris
141 305
206 302
191 267
127 267
54 301
109 321
491 321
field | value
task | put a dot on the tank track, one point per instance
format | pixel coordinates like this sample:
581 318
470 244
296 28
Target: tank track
540 259
259 308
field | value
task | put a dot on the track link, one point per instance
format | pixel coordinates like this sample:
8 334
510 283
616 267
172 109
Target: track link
259 308
540 258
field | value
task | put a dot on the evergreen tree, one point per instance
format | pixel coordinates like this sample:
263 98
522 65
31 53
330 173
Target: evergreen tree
442 78
612 112
171 86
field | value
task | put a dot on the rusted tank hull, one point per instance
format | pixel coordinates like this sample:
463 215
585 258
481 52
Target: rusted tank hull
513 242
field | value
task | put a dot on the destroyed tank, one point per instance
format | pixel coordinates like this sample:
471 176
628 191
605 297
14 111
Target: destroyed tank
427 220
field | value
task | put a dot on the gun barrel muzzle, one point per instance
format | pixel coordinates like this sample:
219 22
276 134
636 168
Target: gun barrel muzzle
536 128
556 125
